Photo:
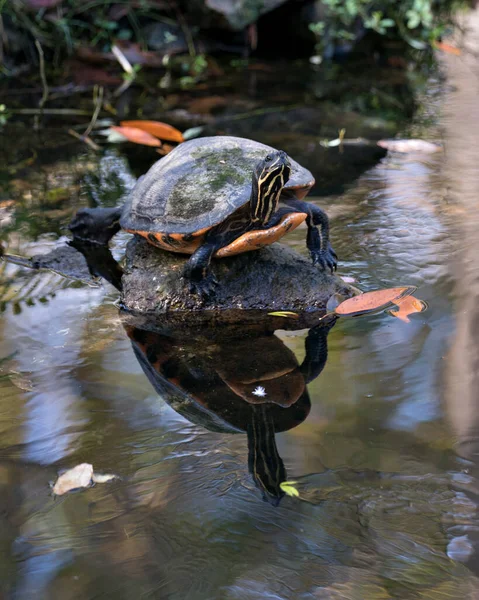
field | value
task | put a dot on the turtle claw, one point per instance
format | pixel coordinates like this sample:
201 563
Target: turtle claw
204 288
326 259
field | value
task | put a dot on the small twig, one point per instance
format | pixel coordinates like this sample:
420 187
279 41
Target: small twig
43 78
121 58
98 99
84 138
130 74
50 111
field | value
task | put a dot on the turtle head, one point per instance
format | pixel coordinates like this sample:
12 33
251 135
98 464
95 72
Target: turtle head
269 178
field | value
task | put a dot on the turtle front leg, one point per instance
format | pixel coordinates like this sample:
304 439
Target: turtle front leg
197 271
97 225
317 239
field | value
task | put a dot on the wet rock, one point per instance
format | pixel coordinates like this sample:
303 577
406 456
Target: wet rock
272 279
234 14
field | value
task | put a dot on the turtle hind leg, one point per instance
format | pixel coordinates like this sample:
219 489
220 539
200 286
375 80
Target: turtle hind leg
197 271
96 225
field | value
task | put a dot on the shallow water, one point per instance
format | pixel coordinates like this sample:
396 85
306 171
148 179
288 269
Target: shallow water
382 443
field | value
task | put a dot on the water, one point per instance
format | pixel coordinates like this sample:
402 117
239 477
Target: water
382 442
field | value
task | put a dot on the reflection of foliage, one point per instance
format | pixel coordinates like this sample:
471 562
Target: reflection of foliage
418 22
30 288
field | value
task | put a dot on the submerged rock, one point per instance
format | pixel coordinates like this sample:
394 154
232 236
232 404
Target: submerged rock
274 278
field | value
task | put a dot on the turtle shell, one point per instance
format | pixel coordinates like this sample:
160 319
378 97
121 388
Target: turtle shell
198 185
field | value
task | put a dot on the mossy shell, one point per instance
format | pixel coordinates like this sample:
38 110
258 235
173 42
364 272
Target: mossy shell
199 184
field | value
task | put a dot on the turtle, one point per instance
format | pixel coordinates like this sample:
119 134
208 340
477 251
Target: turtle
215 197
250 384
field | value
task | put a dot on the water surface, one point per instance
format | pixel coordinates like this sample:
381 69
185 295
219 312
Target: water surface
381 437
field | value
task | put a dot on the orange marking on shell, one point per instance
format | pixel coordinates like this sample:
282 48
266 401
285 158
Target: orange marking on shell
253 240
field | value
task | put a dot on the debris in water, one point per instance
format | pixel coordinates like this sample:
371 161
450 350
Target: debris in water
163 131
371 302
259 391
287 314
81 476
288 488
137 136
407 306
410 146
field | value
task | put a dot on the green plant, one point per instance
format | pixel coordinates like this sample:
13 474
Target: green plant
418 22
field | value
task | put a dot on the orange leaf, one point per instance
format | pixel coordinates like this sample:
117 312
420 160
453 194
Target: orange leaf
407 306
156 128
447 48
165 149
372 301
137 136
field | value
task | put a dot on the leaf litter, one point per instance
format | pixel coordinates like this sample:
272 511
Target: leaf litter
81 476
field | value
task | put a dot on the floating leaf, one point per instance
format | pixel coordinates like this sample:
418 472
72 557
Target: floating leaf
137 136
103 478
407 306
165 149
287 314
288 488
78 477
192 132
347 279
372 301
410 146
160 130
447 48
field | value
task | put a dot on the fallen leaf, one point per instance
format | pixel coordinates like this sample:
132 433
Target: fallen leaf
372 301
347 279
447 48
284 313
137 136
192 132
103 478
156 128
165 149
288 488
407 306
405 146
206 104
78 477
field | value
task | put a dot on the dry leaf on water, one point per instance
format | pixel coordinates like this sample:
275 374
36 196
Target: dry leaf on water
137 136
163 131
372 301
447 48
405 146
287 314
78 477
407 306
81 476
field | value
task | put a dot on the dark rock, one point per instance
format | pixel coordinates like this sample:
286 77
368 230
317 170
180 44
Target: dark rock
272 279
234 14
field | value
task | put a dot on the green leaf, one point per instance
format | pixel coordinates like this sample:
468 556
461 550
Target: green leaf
288 488
284 313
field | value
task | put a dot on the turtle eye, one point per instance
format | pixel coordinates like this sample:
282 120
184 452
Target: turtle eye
268 158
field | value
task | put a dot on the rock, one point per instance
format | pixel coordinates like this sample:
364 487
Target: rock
235 14
275 278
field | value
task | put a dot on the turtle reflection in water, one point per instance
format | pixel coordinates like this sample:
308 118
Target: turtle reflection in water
251 384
